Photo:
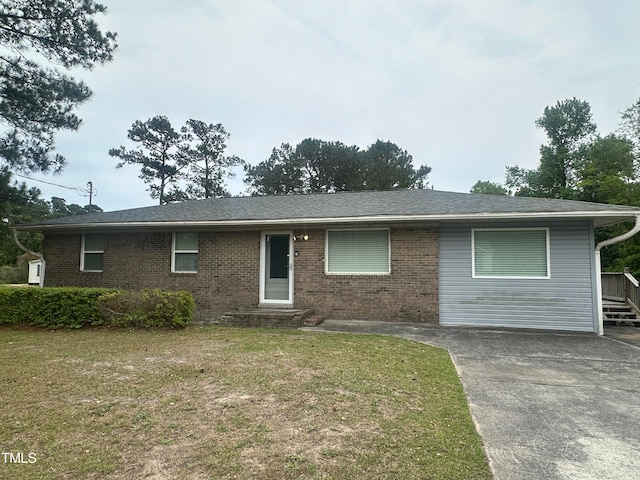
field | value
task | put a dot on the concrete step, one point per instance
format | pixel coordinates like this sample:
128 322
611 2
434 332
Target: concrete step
266 317
314 320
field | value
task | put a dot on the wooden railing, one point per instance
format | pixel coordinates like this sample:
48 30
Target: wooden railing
621 287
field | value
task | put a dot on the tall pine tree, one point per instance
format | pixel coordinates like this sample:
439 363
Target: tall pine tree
41 38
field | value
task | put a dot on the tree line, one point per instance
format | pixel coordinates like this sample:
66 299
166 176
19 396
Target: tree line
577 162
319 166
190 163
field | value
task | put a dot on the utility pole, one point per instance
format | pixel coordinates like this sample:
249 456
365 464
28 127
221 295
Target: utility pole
90 185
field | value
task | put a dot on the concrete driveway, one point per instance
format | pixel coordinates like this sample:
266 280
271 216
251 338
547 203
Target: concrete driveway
547 405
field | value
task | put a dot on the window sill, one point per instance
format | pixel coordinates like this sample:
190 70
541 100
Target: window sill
491 277
358 275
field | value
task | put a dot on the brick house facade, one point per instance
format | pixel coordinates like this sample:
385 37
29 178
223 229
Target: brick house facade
228 273
401 255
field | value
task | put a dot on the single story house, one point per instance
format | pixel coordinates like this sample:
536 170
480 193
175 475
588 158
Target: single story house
399 255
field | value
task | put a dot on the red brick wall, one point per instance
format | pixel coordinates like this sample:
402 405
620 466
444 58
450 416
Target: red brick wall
228 266
229 269
409 293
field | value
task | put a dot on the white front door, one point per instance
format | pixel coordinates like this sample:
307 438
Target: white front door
276 268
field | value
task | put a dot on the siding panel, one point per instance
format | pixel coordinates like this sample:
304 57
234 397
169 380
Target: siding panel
563 302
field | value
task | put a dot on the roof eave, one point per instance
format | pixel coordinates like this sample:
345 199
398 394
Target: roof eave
600 218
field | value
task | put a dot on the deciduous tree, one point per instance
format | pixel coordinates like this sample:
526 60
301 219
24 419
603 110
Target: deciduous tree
630 126
60 208
18 204
570 129
488 188
607 174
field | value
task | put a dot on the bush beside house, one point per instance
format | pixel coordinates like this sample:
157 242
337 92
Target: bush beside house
147 309
70 307
18 273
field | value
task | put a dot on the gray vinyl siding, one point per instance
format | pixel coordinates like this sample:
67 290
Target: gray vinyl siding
565 301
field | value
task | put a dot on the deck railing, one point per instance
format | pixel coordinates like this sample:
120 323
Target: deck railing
621 287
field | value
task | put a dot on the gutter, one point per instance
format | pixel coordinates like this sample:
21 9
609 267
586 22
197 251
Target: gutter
599 247
39 255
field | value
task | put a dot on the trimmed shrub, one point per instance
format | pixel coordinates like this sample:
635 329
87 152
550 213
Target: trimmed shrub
63 307
15 305
70 307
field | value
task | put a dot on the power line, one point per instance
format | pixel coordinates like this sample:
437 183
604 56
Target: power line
83 192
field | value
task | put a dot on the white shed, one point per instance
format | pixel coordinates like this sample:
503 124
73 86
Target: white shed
35 270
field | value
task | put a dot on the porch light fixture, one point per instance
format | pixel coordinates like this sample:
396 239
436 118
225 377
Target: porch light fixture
301 236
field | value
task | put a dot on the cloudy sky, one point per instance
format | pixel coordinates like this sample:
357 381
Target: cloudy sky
457 83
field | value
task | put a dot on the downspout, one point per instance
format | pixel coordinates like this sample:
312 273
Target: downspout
39 255
600 246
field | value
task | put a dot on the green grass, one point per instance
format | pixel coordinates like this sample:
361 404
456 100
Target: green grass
211 402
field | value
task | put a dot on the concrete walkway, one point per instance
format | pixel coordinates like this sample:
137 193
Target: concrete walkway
625 334
547 405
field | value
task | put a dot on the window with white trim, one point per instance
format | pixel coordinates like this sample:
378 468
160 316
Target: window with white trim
510 253
357 252
184 258
92 257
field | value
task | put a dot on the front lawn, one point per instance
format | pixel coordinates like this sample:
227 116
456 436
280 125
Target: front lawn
211 402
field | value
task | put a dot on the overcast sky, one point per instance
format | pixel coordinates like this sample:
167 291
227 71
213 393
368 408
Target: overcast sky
456 83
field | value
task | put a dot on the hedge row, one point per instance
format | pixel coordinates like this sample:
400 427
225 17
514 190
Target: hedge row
70 307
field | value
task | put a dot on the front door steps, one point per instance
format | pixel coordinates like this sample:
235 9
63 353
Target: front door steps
270 317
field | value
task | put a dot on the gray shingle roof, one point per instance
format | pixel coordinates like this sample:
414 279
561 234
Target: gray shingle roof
392 205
